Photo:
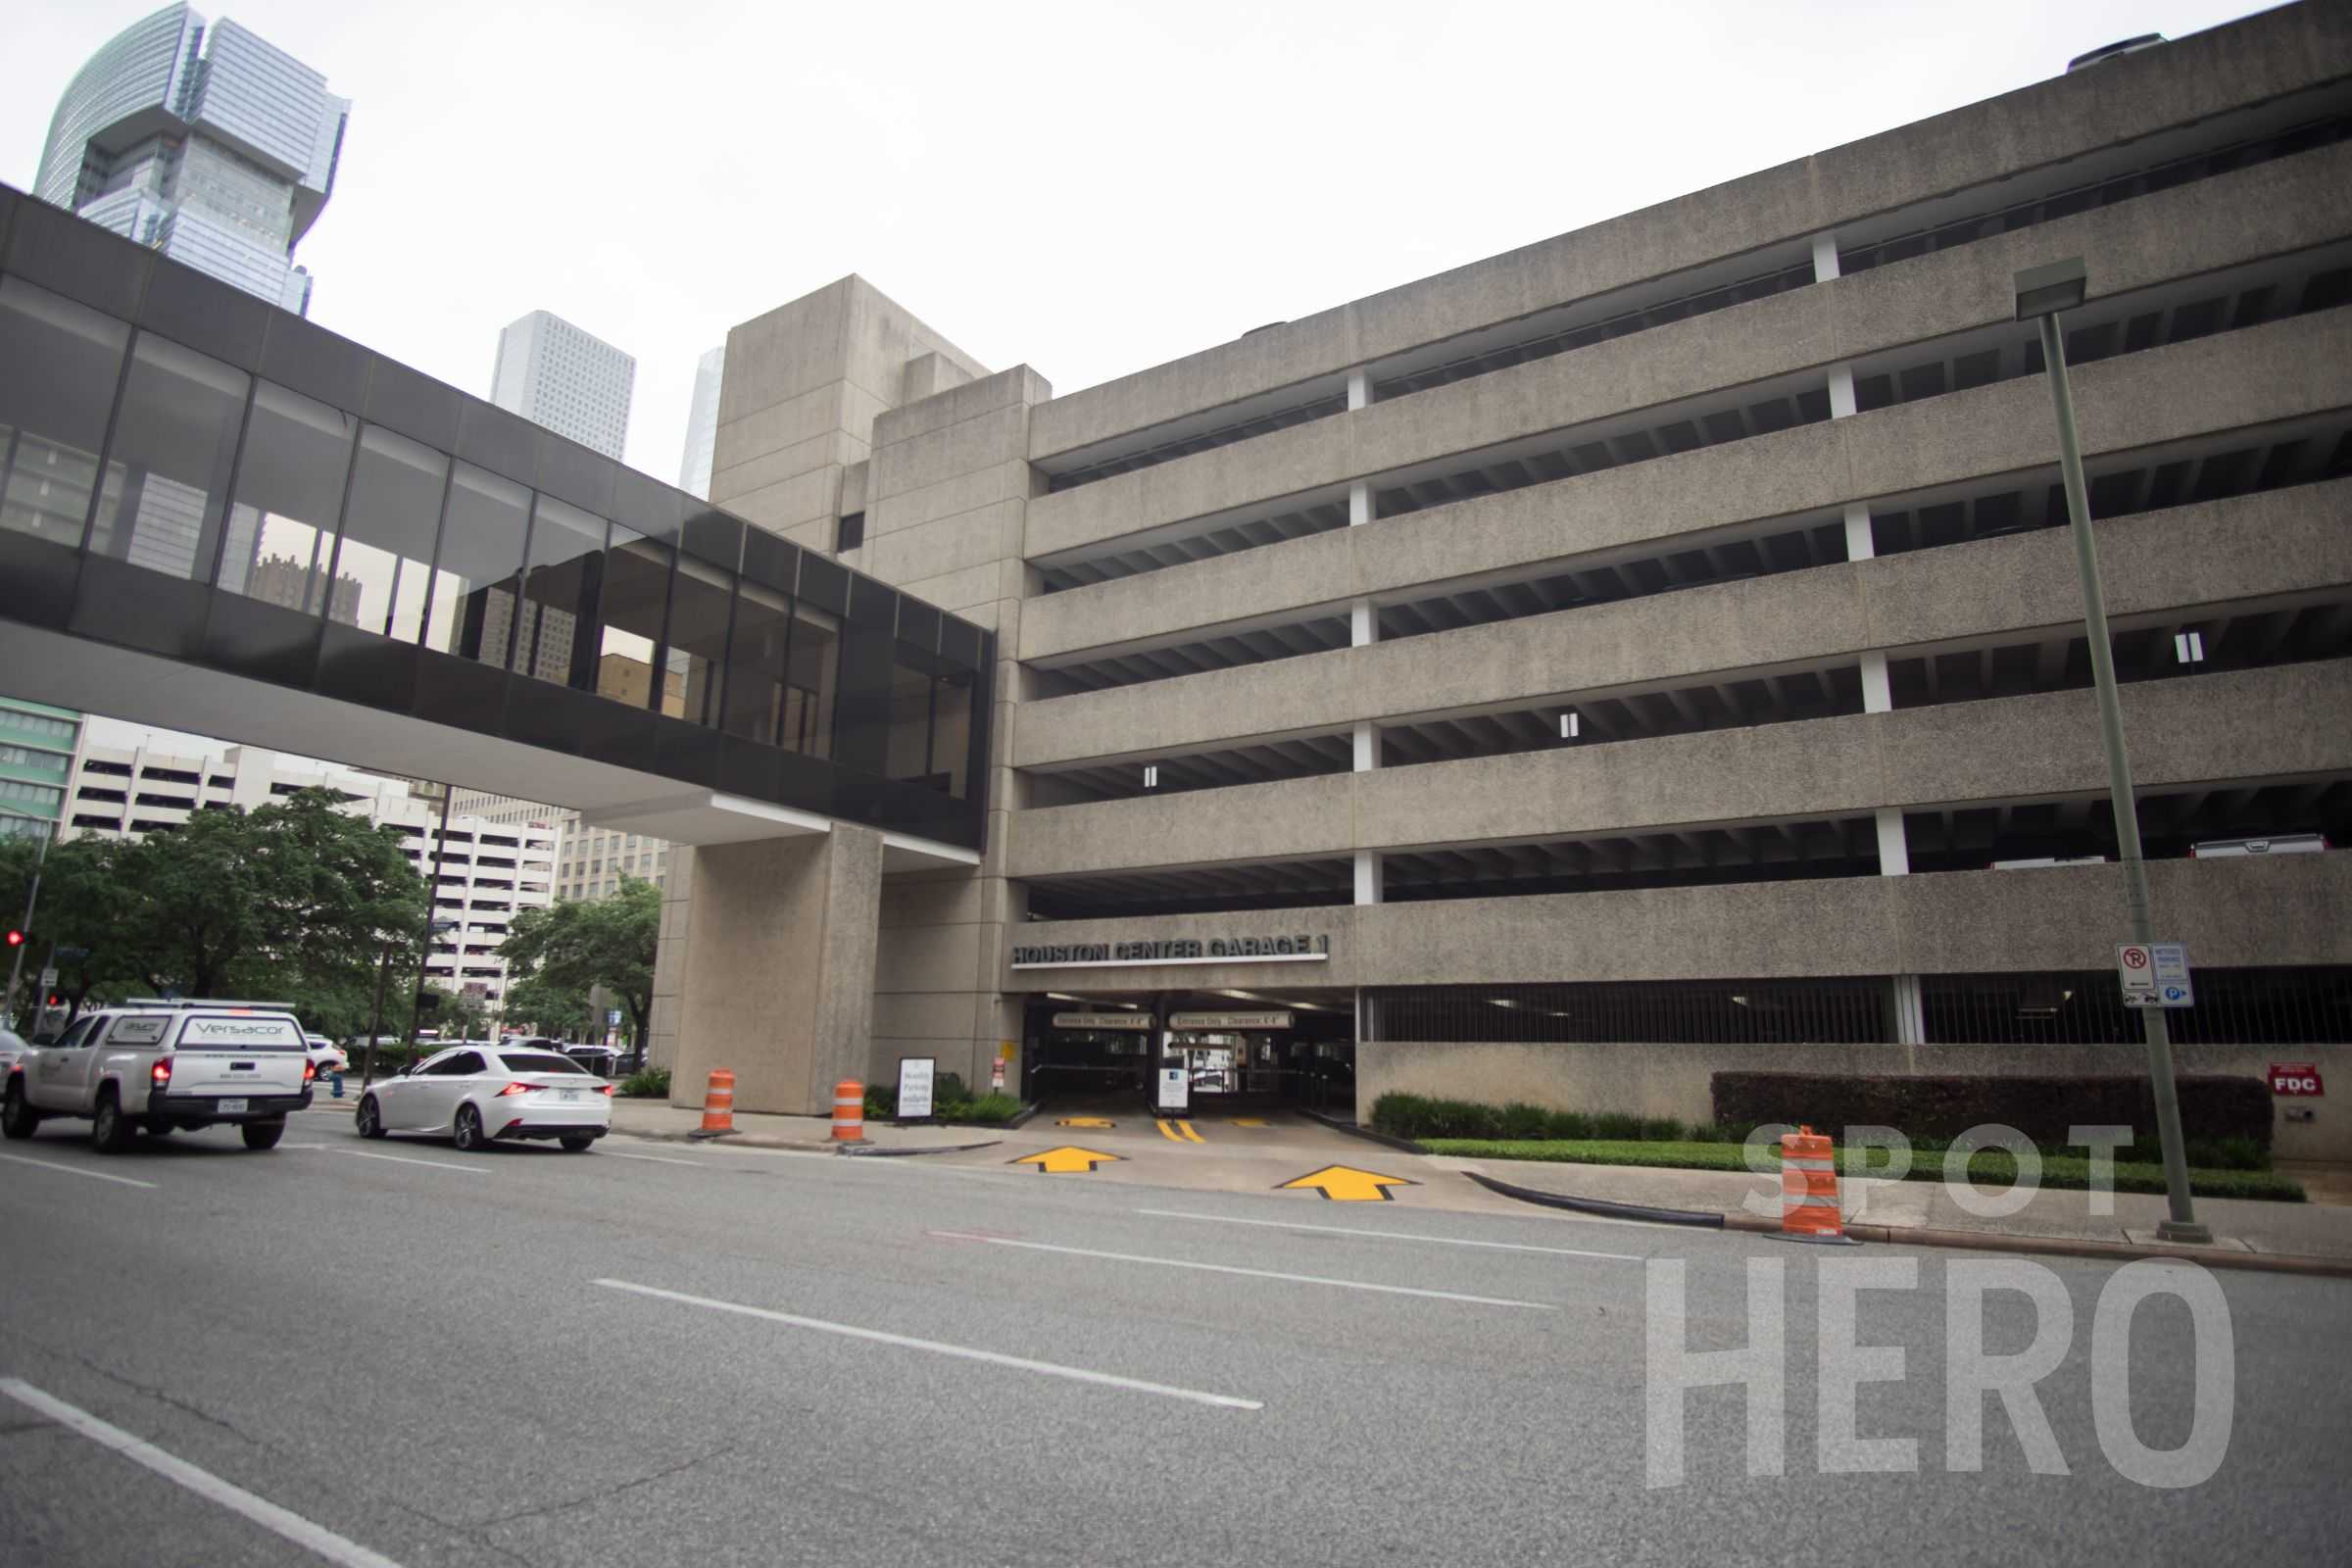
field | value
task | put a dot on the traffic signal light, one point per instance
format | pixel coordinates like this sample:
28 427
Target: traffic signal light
15 939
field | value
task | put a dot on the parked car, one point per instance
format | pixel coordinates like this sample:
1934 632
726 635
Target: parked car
325 1056
2275 844
12 1047
477 1094
163 1066
601 1059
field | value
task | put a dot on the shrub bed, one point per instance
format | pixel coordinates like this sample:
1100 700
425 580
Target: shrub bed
2216 1111
1989 1168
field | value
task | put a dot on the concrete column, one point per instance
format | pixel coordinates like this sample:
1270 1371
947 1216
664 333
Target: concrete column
1359 505
1367 747
1859 543
1910 1013
1359 389
1877 690
778 982
1894 850
1367 876
1359 496
1363 623
1841 391
1825 257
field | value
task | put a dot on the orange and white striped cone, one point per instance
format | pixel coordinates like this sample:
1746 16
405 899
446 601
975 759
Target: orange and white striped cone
1809 1210
719 1105
849 1112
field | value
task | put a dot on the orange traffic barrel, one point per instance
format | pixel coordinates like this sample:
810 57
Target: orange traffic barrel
718 1104
1809 1188
849 1112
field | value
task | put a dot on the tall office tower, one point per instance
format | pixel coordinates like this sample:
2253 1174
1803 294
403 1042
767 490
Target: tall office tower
701 423
554 375
204 142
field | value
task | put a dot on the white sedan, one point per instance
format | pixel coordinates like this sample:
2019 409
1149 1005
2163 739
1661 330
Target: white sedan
479 1094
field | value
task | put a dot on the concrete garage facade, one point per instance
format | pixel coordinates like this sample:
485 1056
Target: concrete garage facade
1652 650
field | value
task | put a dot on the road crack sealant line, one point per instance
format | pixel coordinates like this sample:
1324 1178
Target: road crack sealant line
1694 1218
876 1152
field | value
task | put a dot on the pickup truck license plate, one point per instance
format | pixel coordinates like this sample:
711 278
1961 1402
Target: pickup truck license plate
232 1107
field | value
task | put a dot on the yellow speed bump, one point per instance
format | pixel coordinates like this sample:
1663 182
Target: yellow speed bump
1084 1121
1060 1161
1345 1184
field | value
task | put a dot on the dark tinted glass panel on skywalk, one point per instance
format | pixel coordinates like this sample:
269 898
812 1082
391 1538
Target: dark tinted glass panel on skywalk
52 425
232 508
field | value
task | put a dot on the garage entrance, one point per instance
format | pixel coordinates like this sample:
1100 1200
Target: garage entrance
1238 1051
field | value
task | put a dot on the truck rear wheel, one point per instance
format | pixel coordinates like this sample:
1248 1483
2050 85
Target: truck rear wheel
18 1118
263 1134
110 1129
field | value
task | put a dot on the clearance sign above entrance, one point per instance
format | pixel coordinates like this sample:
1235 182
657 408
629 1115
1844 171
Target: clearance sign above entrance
1300 949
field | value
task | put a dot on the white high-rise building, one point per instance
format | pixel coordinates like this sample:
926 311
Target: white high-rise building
577 385
489 870
701 423
200 140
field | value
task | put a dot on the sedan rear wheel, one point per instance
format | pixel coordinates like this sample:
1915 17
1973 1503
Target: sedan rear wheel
469 1129
370 1120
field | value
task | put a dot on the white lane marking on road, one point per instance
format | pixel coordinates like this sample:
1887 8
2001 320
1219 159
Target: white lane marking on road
1252 1273
314 1539
656 1159
1390 1236
397 1159
1108 1380
75 1170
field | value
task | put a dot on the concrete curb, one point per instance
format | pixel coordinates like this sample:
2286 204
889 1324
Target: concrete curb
872 1151
1697 1219
1967 1240
1021 1118
1404 1145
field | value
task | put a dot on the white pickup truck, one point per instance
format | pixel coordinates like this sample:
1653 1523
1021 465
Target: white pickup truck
160 1065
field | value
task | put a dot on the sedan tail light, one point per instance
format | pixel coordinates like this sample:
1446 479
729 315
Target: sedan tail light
161 1072
515 1089
606 1090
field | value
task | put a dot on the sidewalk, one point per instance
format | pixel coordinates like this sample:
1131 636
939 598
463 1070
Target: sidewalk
657 1118
2246 1233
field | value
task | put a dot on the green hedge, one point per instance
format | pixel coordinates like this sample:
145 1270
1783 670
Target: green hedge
650 1084
950 1101
1990 1168
1419 1116
2217 1112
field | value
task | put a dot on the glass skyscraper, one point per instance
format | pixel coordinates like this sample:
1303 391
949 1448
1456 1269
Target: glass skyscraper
570 382
200 140
701 423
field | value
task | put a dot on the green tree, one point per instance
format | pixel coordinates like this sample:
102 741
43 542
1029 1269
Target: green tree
588 942
560 1011
84 910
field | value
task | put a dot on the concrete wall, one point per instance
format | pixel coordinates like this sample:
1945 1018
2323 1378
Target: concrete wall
2065 118
2281 542
2224 382
803 385
2233 913
2276 207
2257 723
778 984
1673 1080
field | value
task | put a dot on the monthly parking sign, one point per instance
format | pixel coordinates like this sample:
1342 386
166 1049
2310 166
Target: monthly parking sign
2155 974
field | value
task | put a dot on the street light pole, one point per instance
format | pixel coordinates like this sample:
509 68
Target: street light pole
2042 292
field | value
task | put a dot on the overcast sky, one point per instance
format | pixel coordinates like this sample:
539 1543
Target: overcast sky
1090 188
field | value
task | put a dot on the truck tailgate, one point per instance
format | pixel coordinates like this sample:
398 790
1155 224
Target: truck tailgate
239 1055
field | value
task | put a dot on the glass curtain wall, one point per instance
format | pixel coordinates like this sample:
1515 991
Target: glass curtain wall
137 448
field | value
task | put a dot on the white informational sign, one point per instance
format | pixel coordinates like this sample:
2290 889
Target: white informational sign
612 1018
2155 974
915 1086
1175 1089
1229 1020
1105 1020
48 979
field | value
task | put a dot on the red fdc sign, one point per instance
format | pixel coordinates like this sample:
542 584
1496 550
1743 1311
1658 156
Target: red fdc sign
2296 1078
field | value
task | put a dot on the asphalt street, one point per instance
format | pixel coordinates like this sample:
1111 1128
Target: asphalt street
664 1353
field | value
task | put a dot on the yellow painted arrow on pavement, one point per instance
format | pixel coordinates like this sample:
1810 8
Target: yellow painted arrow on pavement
1085 1121
1346 1184
1069 1158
